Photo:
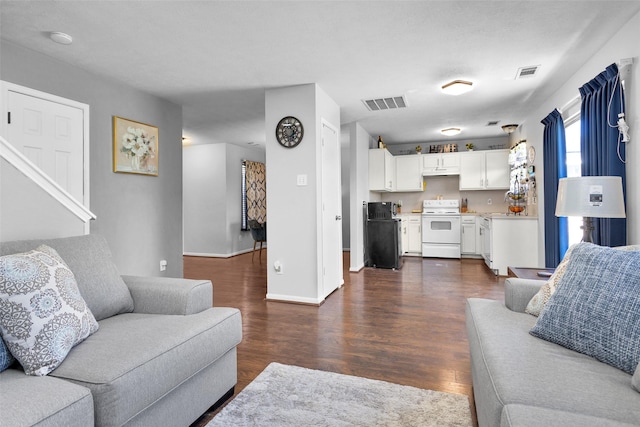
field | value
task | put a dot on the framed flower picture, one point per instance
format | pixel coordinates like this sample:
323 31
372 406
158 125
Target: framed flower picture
135 147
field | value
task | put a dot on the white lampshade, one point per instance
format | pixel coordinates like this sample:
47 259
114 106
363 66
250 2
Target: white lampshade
591 196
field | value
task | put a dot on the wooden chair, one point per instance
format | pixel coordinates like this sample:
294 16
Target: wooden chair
259 234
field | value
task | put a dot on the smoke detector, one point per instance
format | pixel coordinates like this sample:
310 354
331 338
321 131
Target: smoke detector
61 38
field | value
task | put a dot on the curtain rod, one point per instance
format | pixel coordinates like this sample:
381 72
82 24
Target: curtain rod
573 101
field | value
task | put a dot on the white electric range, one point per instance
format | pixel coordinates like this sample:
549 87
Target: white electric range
441 228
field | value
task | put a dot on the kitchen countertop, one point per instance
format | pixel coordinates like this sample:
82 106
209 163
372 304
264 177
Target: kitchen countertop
503 215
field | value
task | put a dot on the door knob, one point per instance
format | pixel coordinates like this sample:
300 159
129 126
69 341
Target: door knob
338 217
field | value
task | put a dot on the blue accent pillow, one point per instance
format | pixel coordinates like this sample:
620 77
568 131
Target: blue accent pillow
595 309
6 359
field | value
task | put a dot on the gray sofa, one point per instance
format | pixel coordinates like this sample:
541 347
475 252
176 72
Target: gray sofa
521 380
161 356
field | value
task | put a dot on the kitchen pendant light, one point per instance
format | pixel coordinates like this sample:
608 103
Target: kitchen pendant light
457 87
450 131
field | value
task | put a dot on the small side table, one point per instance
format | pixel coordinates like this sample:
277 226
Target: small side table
530 273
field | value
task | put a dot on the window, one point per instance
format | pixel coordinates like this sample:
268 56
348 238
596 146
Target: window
574 165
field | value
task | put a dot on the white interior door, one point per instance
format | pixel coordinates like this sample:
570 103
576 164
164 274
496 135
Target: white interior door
331 212
51 135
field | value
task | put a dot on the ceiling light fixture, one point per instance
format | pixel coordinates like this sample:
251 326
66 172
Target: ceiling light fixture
61 38
457 87
450 131
509 129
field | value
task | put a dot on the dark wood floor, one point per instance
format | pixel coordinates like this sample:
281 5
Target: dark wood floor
404 326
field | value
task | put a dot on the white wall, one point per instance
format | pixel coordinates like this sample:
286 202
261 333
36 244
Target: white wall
358 191
293 211
623 45
212 199
29 212
140 216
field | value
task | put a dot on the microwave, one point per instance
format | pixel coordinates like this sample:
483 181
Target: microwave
382 210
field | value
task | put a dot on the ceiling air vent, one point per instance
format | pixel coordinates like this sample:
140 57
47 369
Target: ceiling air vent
493 122
526 72
385 103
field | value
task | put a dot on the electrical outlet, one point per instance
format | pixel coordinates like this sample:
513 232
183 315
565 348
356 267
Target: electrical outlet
163 265
277 266
489 201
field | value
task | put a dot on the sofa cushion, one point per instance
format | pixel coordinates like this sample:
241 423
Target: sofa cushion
43 313
635 381
136 359
522 415
596 307
89 258
43 401
540 299
511 366
6 358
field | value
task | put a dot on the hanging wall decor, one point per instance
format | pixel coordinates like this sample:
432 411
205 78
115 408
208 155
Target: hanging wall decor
135 147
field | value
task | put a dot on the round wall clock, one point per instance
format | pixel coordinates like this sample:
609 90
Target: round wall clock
289 132
531 154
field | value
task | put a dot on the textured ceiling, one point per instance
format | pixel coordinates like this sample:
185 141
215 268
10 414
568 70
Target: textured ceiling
216 58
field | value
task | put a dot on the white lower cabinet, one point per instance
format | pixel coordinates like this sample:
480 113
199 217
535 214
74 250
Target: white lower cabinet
411 234
510 242
468 235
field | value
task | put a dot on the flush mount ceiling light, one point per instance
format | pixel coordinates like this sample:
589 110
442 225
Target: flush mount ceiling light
457 87
509 129
61 38
450 131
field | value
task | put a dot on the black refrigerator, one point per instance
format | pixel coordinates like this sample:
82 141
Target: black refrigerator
382 234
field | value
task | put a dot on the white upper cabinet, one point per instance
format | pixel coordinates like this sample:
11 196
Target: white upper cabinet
441 164
382 170
408 173
484 170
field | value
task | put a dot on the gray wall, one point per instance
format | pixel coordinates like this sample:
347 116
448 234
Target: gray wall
212 199
140 216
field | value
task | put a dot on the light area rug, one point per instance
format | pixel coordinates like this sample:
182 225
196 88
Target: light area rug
284 396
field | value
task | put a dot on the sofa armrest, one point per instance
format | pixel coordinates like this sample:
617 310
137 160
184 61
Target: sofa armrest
165 295
518 292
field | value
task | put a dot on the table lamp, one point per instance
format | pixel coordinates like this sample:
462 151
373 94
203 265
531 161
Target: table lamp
590 197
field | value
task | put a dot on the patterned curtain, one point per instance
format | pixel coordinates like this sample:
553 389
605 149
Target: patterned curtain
256 185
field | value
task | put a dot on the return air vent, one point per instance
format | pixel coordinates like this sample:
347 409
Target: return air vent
385 103
526 72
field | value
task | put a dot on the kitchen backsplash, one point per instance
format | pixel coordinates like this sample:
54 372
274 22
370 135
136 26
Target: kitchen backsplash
448 187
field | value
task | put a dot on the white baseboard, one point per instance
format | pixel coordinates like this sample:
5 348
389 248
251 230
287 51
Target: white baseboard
211 255
299 300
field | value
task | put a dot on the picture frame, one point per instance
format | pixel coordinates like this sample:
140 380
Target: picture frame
135 147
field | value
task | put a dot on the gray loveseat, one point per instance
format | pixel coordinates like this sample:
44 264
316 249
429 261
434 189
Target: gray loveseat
161 356
521 380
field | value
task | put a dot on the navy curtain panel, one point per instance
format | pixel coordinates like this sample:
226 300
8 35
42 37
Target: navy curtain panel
601 151
556 231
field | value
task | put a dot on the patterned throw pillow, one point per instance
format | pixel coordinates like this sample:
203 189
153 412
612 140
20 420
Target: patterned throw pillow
6 359
539 300
595 309
42 314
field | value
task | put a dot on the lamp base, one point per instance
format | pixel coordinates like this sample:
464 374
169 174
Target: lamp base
587 228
